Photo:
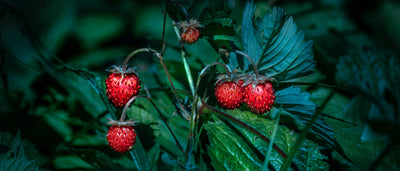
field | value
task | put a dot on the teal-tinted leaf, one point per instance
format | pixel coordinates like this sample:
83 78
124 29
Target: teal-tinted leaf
297 105
275 44
94 81
228 151
375 76
16 159
95 158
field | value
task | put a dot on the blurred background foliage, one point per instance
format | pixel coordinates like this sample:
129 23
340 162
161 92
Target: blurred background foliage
52 118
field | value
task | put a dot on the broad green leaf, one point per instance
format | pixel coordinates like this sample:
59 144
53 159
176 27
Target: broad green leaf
228 151
308 157
94 81
95 158
274 43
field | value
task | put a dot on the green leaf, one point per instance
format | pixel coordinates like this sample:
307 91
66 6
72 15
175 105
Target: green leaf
224 138
95 158
228 151
94 81
274 43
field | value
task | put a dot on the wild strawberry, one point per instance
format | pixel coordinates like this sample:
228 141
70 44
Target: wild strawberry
259 98
122 86
121 138
259 94
229 94
228 91
190 32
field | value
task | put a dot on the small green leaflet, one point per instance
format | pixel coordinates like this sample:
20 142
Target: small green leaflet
275 45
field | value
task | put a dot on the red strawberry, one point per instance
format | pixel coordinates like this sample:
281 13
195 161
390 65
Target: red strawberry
259 98
190 36
189 31
121 138
121 87
229 94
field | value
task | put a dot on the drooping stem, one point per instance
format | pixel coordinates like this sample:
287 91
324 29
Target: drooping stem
228 71
123 115
163 34
251 60
133 53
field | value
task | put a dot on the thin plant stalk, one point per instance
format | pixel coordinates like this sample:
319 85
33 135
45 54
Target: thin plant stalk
251 60
160 57
133 53
268 156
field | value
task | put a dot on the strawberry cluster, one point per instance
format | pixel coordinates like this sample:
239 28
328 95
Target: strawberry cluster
256 91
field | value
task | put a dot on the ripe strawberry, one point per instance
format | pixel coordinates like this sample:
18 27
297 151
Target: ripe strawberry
189 31
260 97
122 86
190 36
121 138
229 94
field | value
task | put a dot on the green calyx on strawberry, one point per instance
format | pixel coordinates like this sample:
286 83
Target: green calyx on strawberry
122 85
259 93
121 136
229 92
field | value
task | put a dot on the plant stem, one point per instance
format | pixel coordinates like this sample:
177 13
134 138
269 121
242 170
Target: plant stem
251 60
123 115
188 72
267 157
125 65
185 62
160 57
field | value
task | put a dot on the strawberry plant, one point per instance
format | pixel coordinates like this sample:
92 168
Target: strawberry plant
198 85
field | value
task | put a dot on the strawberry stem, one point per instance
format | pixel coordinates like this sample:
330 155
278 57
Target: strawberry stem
228 71
123 116
160 57
133 53
251 60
